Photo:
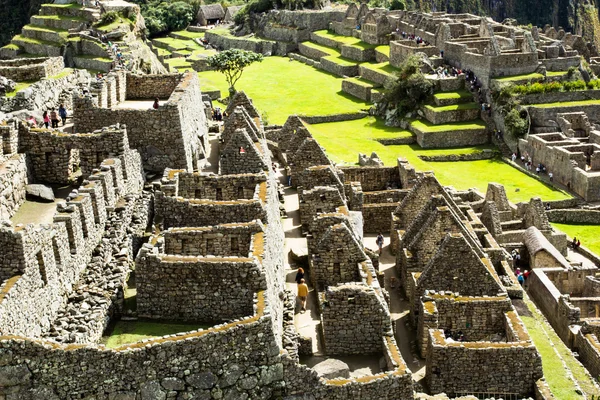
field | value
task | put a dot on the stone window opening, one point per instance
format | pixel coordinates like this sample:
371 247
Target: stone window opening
198 194
235 244
337 270
42 266
219 194
47 158
351 300
323 197
210 246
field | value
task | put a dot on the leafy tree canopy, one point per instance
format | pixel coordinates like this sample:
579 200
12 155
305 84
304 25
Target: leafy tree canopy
231 63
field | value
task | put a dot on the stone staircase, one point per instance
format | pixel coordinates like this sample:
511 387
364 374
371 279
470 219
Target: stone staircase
48 32
453 118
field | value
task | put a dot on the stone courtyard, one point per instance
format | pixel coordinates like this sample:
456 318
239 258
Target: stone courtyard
158 215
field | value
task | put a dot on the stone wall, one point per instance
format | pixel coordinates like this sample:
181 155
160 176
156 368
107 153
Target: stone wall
354 320
574 216
195 288
373 178
169 136
13 179
378 217
180 364
180 212
148 87
214 187
31 69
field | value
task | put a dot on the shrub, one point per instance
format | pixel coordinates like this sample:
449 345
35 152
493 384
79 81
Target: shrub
411 89
108 18
515 123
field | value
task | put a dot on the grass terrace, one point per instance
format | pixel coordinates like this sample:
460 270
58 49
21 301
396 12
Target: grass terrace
36 41
344 140
384 49
60 17
426 126
518 78
177 44
589 235
113 25
69 5
189 35
567 104
329 50
459 95
125 332
18 87
556 73
280 87
226 32
341 38
454 107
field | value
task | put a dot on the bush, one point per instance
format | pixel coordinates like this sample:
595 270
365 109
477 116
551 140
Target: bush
411 89
397 5
515 123
108 18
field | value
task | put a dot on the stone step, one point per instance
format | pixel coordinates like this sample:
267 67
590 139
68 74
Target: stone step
70 10
452 98
36 46
45 33
458 134
316 51
57 21
453 113
358 87
375 73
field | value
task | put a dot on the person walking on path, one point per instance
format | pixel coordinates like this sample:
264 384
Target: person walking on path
62 111
302 294
46 119
299 275
155 105
54 118
379 242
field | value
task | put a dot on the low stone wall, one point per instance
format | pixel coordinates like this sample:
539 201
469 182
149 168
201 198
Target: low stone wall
357 53
458 138
343 70
576 216
375 75
180 364
144 87
191 288
480 155
269 47
377 217
311 52
561 97
180 212
397 141
372 178
445 117
320 119
13 179
357 89
31 69
588 348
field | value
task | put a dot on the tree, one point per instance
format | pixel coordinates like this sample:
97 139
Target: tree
231 63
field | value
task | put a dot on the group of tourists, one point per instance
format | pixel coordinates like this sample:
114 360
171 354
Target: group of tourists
53 117
575 244
418 39
522 276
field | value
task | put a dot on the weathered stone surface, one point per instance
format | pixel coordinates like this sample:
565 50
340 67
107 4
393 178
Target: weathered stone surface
332 368
40 191
203 380
152 391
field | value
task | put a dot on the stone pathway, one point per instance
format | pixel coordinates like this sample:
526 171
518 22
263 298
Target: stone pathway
574 256
399 308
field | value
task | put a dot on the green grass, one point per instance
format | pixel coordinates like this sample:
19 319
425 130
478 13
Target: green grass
549 345
556 73
516 78
11 46
178 44
113 25
361 82
589 235
281 88
126 332
385 68
62 32
454 107
179 63
62 17
567 104
70 5
190 35
338 38
18 87
425 126
36 41
65 72
344 140
385 49
461 94
227 32
91 57
325 49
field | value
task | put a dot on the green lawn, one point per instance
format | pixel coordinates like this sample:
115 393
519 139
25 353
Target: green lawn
18 87
425 126
126 332
454 107
281 87
525 77
190 35
589 235
556 73
324 49
461 94
567 104
344 140
554 352
338 38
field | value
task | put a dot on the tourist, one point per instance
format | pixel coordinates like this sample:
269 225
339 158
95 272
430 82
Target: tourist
521 279
155 105
302 294
513 157
62 111
441 53
54 118
551 176
574 243
577 245
32 122
299 275
379 242
46 119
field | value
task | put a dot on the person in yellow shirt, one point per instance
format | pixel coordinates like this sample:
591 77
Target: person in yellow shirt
302 293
